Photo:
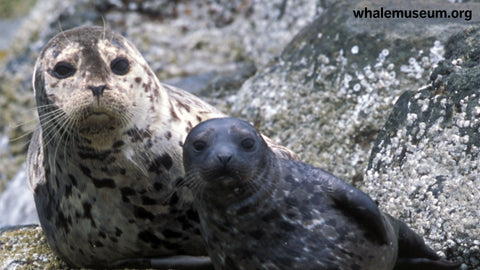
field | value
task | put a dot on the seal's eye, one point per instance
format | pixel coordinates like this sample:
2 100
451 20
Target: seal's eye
120 66
199 145
63 70
247 144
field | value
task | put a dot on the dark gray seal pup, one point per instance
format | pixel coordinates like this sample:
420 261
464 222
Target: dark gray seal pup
105 163
259 211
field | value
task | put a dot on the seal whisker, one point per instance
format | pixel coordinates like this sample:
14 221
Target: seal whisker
22 136
198 188
42 106
26 123
50 131
51 116
62 138
63 32
50 121
104 27
194 185
70 137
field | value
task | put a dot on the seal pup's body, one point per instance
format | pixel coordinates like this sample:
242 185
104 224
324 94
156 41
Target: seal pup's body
105 163
259 211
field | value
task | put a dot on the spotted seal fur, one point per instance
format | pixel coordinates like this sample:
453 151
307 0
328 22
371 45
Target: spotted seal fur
260 211
105 162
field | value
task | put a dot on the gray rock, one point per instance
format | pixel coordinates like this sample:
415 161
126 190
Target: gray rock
25 247
424 167
334 84
16 203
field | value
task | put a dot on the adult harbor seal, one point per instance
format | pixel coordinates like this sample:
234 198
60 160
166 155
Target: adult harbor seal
259 211
105 163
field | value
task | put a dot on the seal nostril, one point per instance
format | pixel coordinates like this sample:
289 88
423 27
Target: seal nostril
224 158
97 90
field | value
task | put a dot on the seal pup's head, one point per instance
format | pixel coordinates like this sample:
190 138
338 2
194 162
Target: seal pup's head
93 80
226 159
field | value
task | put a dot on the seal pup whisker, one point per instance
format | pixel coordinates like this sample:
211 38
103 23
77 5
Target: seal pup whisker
196 186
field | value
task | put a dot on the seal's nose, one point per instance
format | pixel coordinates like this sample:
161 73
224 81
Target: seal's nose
97 90
224 157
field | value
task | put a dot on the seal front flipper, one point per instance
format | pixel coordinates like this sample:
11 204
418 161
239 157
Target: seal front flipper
413 253
424 264
174 262
359 205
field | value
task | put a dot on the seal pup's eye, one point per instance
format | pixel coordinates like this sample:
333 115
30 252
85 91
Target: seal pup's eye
247 144
199 145
120 66
63 70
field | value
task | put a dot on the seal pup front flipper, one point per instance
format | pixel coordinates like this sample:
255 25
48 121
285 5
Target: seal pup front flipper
174 262
413 253
360 206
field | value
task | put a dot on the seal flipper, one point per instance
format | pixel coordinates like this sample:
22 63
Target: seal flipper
360 206
413 253
425 264
175 262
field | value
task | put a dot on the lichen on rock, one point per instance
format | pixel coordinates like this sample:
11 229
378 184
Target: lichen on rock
26 248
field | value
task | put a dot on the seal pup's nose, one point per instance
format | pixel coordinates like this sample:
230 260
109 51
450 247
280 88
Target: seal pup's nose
224 157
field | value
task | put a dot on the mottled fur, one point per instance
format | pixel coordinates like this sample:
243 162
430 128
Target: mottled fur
260 211
105 163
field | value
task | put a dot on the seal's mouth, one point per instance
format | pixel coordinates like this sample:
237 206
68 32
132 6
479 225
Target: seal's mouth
225 179
98 118
98 122
98 114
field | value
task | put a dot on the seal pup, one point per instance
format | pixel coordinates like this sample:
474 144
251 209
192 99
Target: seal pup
105 162
260 211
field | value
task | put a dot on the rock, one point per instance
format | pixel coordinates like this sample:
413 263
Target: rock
424 167
334 84
16 203
25 247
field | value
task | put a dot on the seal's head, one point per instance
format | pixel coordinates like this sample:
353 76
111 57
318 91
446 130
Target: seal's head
228 155
92 79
